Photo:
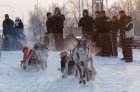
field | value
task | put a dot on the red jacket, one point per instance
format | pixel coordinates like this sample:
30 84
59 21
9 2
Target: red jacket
25 55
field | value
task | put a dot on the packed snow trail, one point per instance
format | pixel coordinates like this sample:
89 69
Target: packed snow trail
113 75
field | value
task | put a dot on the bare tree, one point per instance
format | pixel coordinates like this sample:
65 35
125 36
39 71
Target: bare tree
37 20
128 6
136 18
74 8
114 9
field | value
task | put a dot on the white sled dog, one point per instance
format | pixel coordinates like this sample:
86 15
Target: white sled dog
83 62
38 56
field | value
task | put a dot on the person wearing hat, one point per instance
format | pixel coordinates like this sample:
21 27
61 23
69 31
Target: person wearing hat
127 40
97 34
106 45
18 34
114 33
122 23
63 56
67 64
18 23
18 28
7 26
49 23
58 25
122 28
86 22
7 33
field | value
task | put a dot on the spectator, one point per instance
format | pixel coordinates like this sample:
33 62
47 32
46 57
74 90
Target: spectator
106 46
58 25
86 22
114 36
97 34
127 40
18 35
122 28
18 23
7 26
7 33
49 23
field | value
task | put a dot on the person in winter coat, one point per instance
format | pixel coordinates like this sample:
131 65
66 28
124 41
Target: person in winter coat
106 46
122 28
58 25
67 64
127 40
7 26
49 23
50 33
7 33
18 35
114 33
97 34
18 28
86 22
63 56
18 23
122 23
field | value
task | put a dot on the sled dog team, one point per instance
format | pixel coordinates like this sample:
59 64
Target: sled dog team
78 62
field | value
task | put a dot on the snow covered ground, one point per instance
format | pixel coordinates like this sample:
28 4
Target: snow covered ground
113 75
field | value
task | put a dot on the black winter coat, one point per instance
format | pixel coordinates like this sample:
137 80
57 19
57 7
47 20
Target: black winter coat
58 23
122 25
49 25
97 24
105 25
8 26
86 23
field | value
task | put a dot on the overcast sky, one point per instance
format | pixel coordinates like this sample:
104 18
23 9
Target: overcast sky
22 7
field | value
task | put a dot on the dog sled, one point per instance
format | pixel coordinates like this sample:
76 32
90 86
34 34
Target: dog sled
37 57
